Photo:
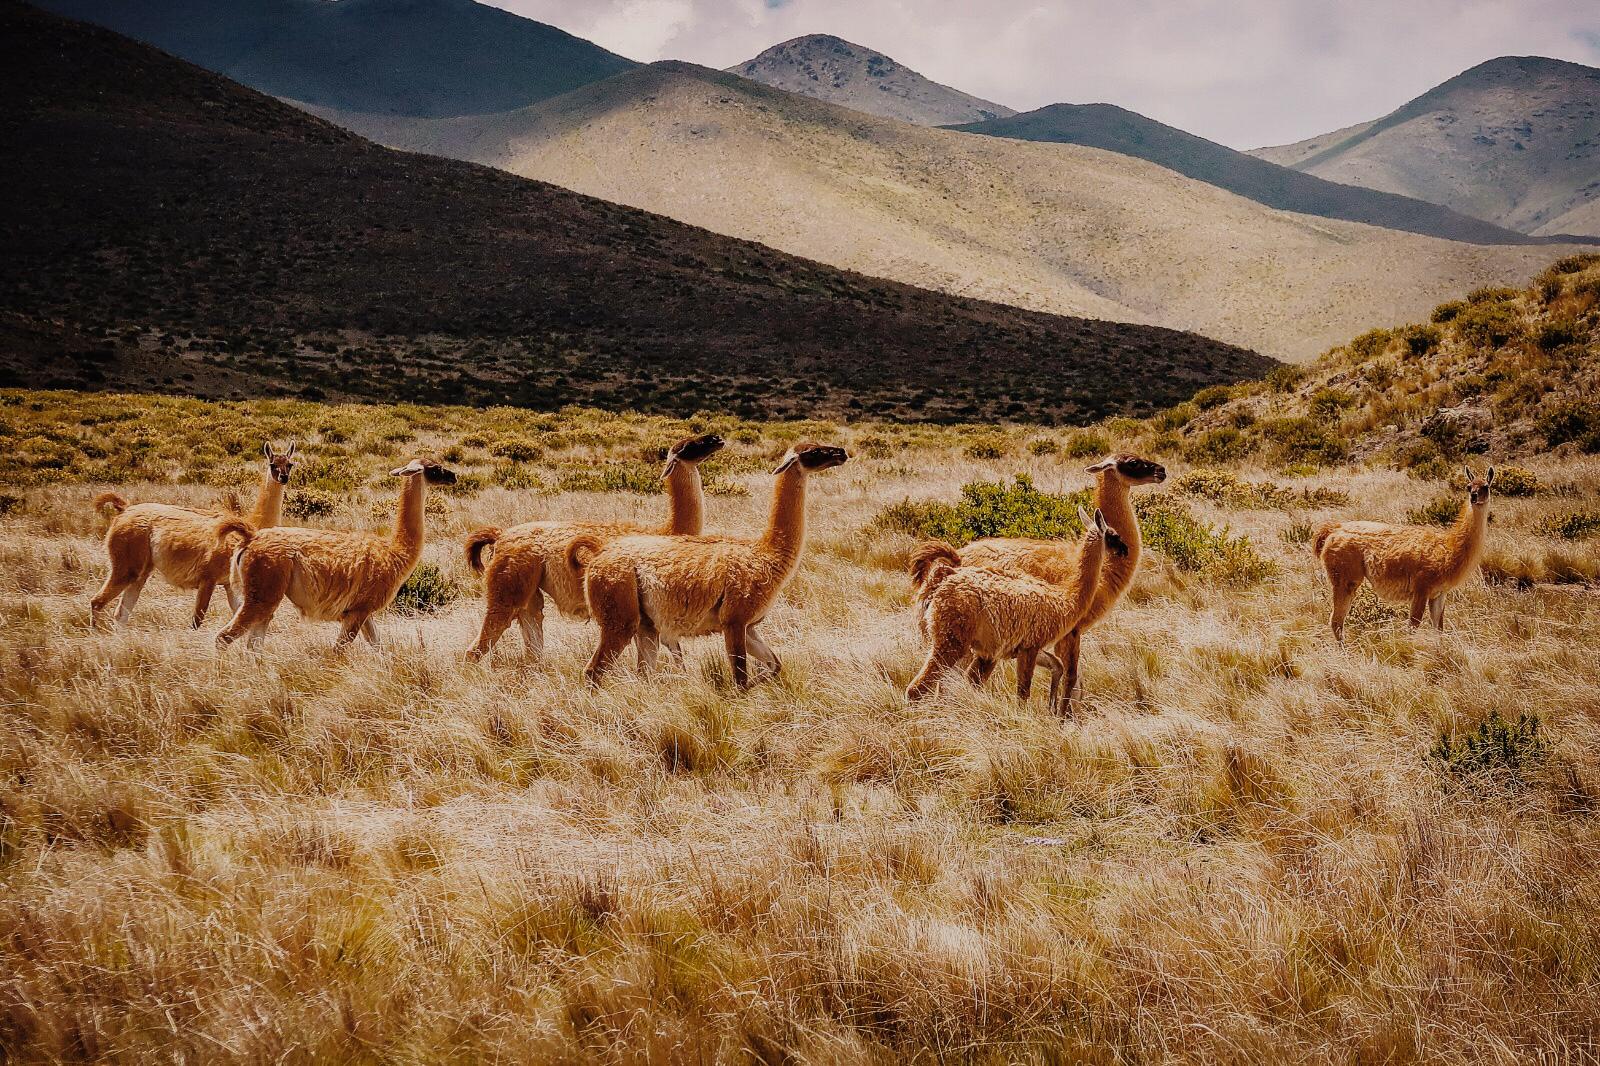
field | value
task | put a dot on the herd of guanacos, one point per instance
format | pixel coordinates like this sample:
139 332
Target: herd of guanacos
994 599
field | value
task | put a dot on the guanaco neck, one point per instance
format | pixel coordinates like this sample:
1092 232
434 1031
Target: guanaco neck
268 510
1086 578
408 524
786 525
685 501
1116 573
1467 534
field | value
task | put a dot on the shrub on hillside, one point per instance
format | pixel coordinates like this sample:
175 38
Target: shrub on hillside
1228 489
1447 312
1488 324
427 590
1442 510
1512 480
516 450
1557 333
1372 342
1305 440
310 503
1284 378
1087 444
1575 420
1224 445
1419 340
1571 525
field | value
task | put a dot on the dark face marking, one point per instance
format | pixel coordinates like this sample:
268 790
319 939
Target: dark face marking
1114 542
280 467
697 449
1478 492
820 456
436 474
1139 471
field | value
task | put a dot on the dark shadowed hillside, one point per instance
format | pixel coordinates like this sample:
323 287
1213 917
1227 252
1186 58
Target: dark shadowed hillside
406 57
1118 130
168 228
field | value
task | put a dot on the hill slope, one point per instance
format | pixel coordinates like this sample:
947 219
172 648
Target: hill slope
829 68
408 57
1053 227
163 225
1118 130
1515 140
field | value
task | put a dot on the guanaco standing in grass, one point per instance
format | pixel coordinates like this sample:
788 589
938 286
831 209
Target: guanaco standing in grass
651 589
332 575
1054 560
190 548
983 615
529 562
1405 564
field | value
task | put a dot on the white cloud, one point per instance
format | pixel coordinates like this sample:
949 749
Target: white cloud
1244 72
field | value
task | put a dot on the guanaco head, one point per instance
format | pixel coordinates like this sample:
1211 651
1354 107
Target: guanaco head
431 472
1478 488
692 450
279 464
813 457
1132 469
1097 527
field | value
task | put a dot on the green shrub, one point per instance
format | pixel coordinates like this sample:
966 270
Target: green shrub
1305 440
875 446
1297 533
1044 446
518 477
1327 403
1447 312
1571 525
1504 752
1488 324
327 473
427 590
1510 480
516 450
1087 444
310 503
1371 343
10 503
1225 445
1442 510
1174 417
990 447
1228 489
1493 294
1212 396
1419 340
1169 528
642 478
1574 420
1284 378
990 509
1557 333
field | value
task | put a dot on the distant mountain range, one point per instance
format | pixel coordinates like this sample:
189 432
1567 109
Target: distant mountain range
403 57
832 69
1515 141
1054 227
1118 130
165 227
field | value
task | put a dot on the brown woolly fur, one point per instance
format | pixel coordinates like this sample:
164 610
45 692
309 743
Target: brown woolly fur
927 559
332 575
188 547
1405 564
984 615
658 589
530 561
1054 561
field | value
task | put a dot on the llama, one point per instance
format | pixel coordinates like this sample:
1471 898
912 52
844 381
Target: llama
1404 563
332 575
983 615
530 561
655 589
188 547
1054 561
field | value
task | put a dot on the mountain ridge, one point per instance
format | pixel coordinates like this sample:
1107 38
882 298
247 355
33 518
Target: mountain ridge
830 68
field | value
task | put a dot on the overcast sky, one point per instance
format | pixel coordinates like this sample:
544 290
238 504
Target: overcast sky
1243 72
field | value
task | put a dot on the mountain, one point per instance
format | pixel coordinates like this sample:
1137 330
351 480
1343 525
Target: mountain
1118 130
1515 141
832 69
406 57
166 228
1053 227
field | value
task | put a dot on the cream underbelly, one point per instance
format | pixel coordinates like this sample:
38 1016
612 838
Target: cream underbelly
318 601
669 619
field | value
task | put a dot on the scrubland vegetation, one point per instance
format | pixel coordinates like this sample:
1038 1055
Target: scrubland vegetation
1252 844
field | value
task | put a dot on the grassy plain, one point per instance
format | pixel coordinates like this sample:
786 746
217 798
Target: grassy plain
1244 850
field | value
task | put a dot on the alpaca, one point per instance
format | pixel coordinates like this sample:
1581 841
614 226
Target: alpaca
332 575
1055 560
188 547
654 589
530 561
985 614
1404 563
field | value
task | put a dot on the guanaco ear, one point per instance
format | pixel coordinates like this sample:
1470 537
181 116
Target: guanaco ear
1099 520
1105 464
293 444
411 469
266 449
672 464
1467 470
788 461
1488 479
1083 516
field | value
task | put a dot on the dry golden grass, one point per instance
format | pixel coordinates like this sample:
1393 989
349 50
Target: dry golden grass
1241 852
